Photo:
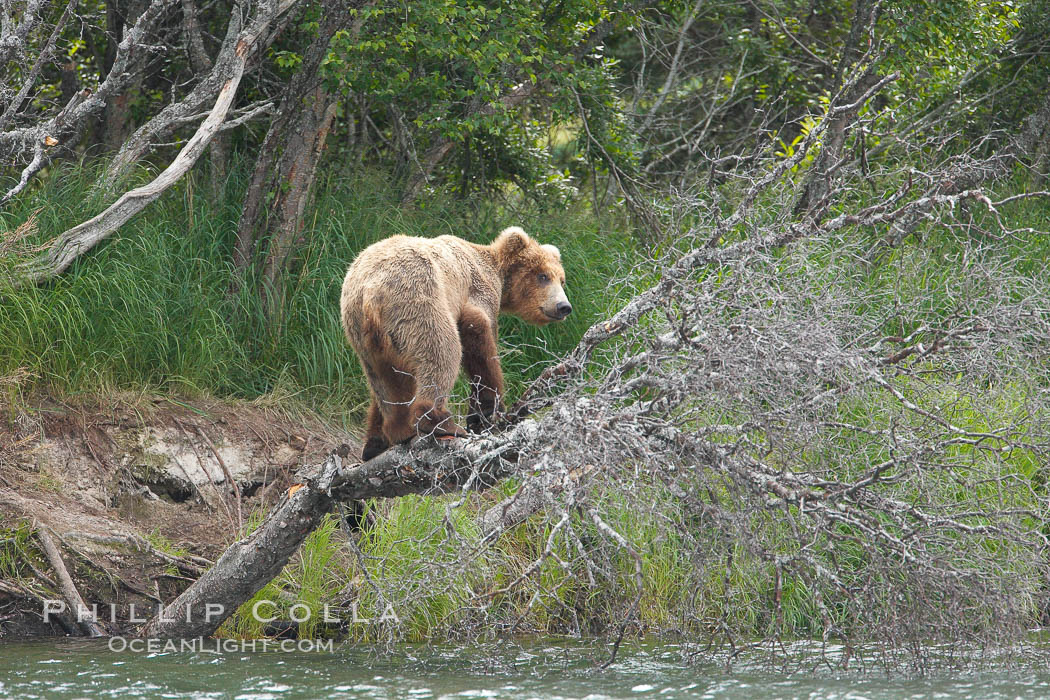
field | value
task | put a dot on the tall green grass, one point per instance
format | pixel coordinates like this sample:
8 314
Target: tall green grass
151 306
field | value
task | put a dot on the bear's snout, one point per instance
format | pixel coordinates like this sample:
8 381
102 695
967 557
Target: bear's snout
557 310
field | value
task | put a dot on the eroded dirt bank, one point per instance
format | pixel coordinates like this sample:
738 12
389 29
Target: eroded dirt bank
139 494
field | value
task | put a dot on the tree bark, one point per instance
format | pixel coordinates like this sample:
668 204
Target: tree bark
114 126
13 35
14 103
287 163
302 153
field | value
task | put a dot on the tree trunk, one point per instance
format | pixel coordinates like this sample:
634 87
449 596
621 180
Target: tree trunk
287 164
302 153
65 583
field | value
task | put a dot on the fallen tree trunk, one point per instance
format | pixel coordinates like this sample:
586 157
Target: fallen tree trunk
425 466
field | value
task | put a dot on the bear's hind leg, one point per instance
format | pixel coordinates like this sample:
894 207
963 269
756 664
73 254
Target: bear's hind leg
430 418
395 390
437 365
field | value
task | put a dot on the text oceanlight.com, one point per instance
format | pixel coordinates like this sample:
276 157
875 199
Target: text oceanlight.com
219 646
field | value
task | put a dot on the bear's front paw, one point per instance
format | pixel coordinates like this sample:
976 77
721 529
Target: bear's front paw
478 423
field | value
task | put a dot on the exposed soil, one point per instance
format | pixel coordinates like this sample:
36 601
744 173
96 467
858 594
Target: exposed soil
140 493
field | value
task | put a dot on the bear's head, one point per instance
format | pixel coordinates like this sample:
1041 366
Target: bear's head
533 278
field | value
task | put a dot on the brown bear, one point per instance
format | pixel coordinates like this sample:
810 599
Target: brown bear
415 309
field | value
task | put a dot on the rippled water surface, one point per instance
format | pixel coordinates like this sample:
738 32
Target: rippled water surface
532 669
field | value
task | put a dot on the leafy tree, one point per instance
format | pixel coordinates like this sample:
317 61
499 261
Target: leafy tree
482 80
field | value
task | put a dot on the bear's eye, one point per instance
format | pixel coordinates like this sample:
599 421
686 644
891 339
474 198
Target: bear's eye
544 279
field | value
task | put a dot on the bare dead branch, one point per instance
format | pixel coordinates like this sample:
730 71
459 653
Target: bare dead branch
244 40
69 590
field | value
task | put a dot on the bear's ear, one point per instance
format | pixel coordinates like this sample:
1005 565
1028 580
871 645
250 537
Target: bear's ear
553 250
512 240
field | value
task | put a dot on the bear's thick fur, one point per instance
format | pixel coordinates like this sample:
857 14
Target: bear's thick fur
415 309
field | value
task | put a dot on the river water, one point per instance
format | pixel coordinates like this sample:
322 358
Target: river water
522 669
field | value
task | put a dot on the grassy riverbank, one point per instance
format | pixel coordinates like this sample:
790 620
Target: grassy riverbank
150 312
